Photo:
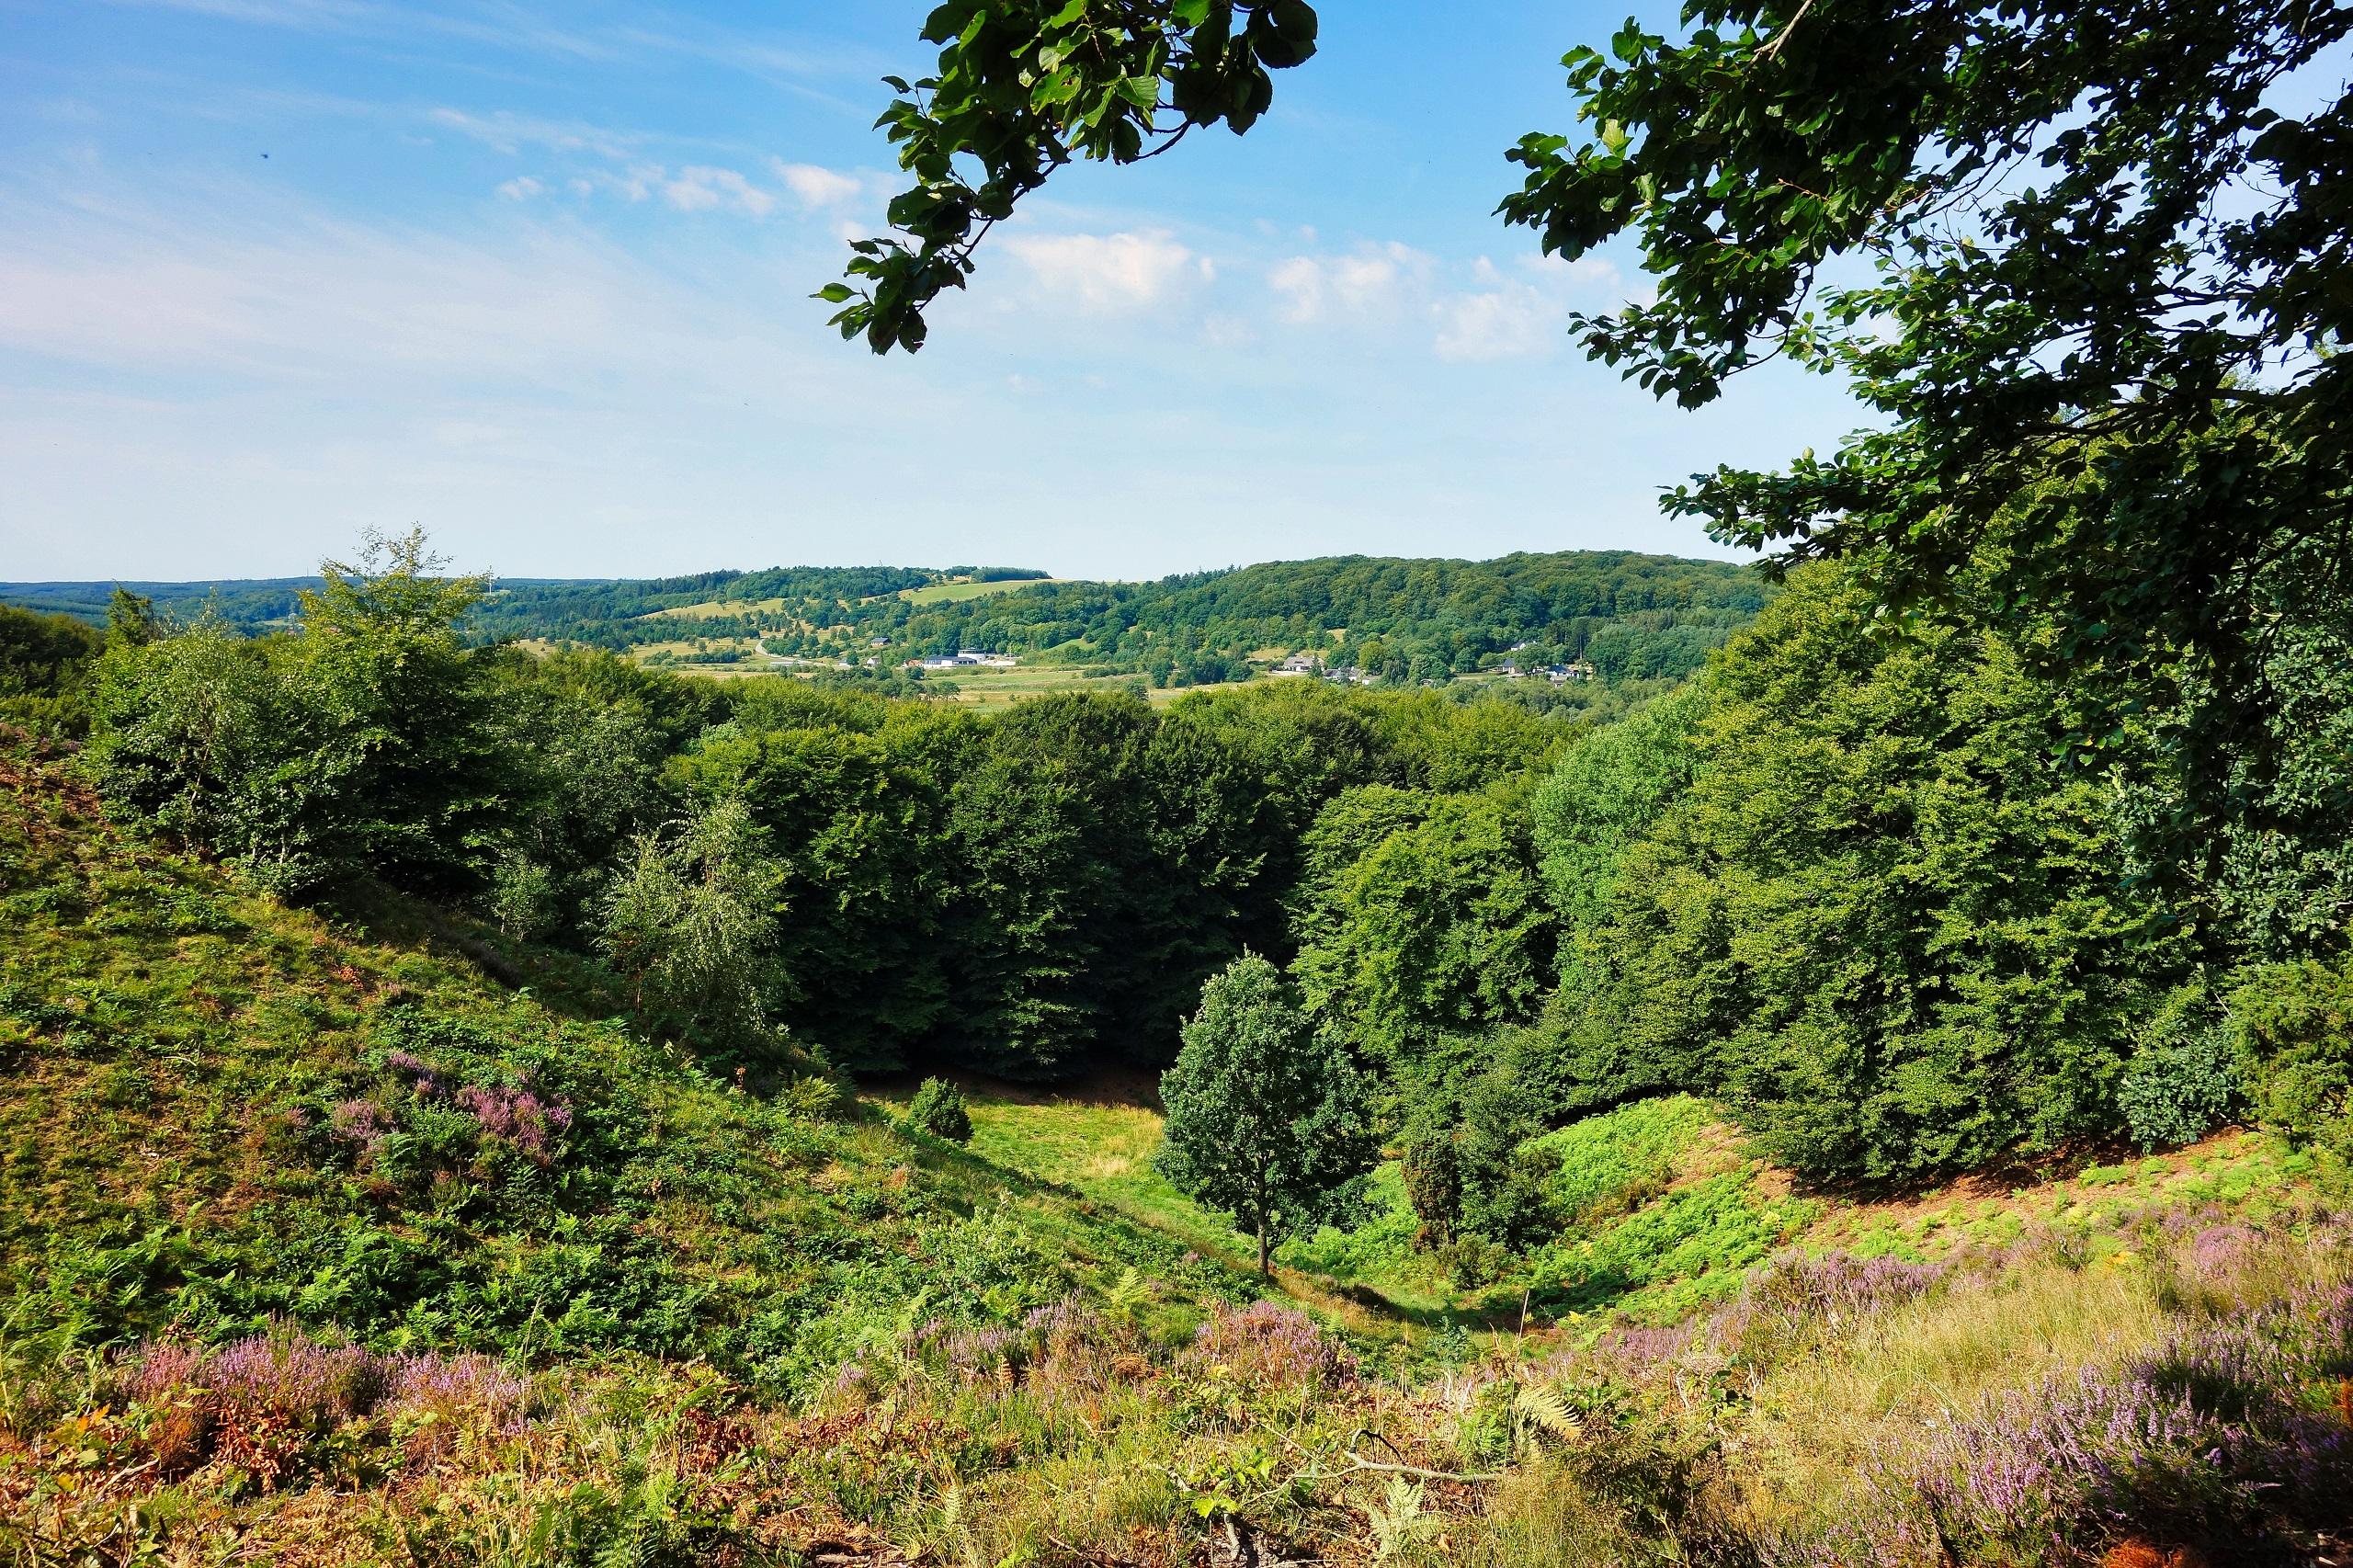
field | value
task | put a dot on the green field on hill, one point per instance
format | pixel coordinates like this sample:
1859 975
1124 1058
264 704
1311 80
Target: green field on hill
956 592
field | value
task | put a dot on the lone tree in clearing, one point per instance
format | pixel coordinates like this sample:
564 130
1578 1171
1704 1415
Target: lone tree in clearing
1266 1121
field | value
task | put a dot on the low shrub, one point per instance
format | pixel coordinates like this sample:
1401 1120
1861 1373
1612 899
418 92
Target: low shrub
263 1402
1274 1347
2222 1439
938 1110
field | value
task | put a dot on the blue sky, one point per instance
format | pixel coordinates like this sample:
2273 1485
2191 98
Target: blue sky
536 278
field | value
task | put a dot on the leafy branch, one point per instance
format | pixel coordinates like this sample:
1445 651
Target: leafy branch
1022 89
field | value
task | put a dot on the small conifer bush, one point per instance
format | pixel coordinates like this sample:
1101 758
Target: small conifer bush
938 1110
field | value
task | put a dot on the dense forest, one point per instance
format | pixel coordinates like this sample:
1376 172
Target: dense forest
1852 882
1630 617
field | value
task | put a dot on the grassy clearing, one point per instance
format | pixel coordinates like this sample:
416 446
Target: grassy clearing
996 688
1098 1139
712 607
950 592
1664 1213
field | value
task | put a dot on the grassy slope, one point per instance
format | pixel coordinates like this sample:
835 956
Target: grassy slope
175 1055
945 592
1667 1213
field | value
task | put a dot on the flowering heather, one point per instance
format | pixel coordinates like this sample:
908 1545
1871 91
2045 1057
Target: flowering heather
1278 1347
1078 1351
852 1386
455 1390
1839 1287
293 1376
301 1379
1067 1318
360 1121
1630 1350
2208 1440
516 1116
974 1355
2220 1250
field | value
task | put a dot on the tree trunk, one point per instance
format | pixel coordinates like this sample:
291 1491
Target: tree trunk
1262 1249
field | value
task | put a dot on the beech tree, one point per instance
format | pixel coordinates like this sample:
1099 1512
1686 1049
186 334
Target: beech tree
1266 1120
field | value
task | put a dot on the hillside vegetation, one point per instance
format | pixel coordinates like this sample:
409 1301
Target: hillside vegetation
432 1075
496 1281
1632 617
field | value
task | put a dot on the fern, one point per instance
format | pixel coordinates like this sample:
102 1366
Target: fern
1540 1409
1398 1522
809 1098
1126 1296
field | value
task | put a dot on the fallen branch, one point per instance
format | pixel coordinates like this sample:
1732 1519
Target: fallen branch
1361 1463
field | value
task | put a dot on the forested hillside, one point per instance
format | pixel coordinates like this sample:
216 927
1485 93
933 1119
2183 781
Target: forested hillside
1631 618
1855 883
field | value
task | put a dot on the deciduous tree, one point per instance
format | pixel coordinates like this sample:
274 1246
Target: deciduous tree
1266 1120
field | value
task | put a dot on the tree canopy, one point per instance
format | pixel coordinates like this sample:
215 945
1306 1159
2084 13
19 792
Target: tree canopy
1267 1118
2087 259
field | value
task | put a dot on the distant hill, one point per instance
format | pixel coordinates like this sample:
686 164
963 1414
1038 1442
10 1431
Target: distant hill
1627 616
248 602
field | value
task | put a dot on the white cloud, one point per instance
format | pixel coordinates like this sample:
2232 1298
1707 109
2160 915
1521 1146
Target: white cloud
1518 313
1371 277
1595 272
1483 311
1501 324
522 187
1111 272
700 188
815 186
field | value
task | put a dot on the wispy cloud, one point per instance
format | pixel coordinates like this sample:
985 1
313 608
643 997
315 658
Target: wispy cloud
306 14
816 186
520 27
506 132
501 24
292 297
1111 272
700 188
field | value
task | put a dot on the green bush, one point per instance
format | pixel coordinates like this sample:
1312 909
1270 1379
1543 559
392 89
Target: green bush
2294 1029
1505 1180
938 1110
2182 1079
1433 1173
